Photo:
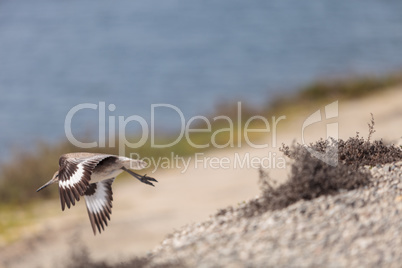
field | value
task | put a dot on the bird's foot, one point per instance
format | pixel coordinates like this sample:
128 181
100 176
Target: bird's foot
147 180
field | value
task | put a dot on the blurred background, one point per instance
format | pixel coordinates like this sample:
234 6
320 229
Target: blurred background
197 56
55 55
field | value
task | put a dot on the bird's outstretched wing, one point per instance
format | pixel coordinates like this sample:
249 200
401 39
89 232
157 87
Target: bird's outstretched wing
98 198
74 177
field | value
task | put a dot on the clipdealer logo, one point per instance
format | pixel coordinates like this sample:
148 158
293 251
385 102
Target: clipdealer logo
242 128
147 131
330 156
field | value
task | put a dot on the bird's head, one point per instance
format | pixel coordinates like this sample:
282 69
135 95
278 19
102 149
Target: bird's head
54 179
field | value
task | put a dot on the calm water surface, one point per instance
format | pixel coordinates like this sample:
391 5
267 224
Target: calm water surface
55 55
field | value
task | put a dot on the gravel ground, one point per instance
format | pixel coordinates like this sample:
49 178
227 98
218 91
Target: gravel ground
357 228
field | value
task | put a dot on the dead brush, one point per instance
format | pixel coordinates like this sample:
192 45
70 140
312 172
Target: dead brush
311 178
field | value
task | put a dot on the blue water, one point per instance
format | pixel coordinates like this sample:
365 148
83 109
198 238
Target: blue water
55 55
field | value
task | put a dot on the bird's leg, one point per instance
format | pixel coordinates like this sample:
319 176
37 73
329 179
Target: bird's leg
144 179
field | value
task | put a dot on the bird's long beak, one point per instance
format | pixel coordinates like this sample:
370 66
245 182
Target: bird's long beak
47 184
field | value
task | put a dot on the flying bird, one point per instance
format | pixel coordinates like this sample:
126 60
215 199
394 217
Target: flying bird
91 175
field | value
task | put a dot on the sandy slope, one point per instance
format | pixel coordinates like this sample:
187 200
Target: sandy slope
143 215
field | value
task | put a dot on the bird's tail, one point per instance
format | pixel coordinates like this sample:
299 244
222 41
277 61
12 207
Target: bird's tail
134 163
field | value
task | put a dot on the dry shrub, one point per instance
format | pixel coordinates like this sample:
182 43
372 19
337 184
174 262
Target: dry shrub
311 177
358 152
